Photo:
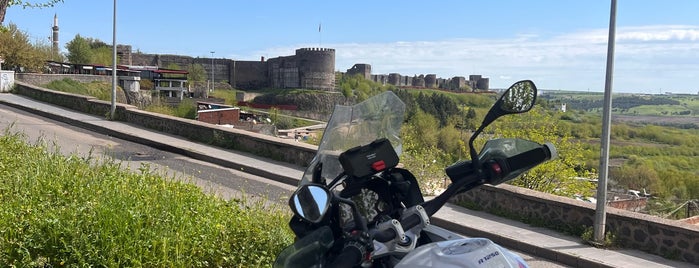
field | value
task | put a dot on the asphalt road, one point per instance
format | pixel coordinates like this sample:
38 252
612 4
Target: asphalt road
225 182
68 139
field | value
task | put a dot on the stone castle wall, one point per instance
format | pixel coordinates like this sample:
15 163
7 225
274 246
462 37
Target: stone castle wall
311 68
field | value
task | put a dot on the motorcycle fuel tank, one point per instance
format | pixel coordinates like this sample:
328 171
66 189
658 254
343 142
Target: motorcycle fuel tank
467 252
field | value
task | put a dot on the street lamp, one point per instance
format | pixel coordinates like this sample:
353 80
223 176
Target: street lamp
112 108
213 81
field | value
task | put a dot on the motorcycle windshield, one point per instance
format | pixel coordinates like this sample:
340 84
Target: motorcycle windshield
380 116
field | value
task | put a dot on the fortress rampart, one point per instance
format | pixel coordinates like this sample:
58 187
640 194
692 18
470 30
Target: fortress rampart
310 68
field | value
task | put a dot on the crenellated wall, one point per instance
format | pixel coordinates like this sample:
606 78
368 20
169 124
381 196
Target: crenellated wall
311 68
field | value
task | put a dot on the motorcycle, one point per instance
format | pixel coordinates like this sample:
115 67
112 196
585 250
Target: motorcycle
355 207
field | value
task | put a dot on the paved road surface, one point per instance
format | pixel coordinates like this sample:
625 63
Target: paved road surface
224 181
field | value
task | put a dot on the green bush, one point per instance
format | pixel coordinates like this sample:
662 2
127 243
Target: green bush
79 211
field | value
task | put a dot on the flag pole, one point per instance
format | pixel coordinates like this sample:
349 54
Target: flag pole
320 35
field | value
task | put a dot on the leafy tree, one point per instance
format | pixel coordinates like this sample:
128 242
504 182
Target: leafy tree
18 52
470 120
357 85
196 73
79 50
560 176
635 177
83 50
102 56
4 4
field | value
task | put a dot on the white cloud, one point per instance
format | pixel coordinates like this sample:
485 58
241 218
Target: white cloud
647 58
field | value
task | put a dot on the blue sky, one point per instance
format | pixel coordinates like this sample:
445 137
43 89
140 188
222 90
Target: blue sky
559 44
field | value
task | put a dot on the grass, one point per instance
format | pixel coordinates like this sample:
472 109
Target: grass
662 110
187 108
99 90
228 95
72 211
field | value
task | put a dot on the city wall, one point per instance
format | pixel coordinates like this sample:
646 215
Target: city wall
666 238
312 68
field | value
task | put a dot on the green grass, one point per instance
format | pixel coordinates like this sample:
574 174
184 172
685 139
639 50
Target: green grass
187 108
99 90
661 110
228 95
72 211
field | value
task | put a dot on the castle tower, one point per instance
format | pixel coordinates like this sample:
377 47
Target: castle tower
316 68
54 38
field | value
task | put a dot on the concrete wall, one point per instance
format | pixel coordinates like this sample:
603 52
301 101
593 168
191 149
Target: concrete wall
7 80
674 239
667 238
266 146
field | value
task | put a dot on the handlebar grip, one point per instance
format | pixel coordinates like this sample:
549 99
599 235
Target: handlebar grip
503 169
532 157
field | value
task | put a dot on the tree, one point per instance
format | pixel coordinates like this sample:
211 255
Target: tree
83 50
79 50
560 176
18 53
196 73
4 4
101 55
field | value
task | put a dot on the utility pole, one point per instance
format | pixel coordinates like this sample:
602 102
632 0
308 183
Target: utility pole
601 212
114 65
213 71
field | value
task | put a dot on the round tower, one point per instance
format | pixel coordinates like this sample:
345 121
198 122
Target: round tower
394 79
316 68
431 81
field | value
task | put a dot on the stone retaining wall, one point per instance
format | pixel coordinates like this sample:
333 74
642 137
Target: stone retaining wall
266 146
668 238
43 79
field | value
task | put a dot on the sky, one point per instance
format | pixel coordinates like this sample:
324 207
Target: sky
559 44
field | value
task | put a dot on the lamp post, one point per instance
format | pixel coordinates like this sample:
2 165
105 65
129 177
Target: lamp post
213 80
112 109
601 210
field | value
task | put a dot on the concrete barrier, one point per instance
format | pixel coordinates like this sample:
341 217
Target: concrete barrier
7 80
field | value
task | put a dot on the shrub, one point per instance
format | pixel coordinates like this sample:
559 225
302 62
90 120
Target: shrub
82 211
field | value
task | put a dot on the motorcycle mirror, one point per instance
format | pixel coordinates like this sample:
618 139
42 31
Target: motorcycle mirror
518 98
310 202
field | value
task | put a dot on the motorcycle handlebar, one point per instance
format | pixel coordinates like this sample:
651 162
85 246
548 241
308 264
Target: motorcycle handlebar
349 257
519 163
515 165
390 234
532 157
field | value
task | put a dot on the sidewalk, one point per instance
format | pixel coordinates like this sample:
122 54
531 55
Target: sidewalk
511 234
